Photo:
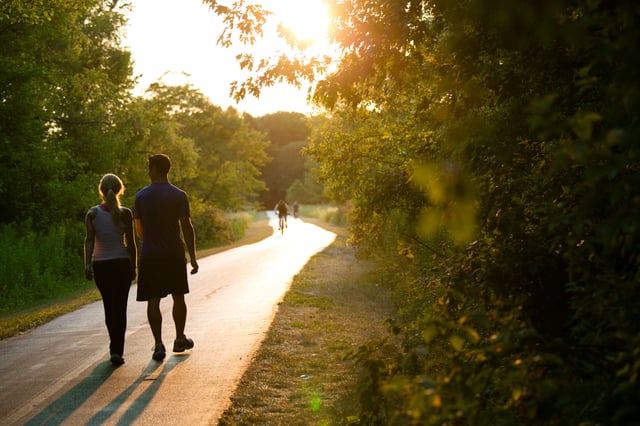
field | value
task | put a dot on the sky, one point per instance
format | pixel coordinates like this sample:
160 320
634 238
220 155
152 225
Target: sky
175 41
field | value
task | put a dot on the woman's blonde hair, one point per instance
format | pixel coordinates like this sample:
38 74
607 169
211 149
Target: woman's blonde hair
110 189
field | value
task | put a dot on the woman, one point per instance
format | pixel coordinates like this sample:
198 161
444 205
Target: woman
110 248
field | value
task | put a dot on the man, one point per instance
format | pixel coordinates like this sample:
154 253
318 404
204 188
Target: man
160 211
281 209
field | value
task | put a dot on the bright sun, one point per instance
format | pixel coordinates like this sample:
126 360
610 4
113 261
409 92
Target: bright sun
308 19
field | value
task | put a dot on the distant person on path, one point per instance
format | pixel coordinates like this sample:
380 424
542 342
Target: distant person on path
282 209
161 210
110 257
296 209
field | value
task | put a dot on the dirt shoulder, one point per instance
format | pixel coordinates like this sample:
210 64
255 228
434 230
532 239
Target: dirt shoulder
300 374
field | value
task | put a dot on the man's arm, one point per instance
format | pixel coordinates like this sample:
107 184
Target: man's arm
190 240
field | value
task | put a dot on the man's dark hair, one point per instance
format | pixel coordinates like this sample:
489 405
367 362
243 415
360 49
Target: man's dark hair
161 162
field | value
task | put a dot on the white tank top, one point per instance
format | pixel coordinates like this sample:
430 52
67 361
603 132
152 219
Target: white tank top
109 238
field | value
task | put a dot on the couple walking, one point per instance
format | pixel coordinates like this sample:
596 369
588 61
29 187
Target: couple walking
161 211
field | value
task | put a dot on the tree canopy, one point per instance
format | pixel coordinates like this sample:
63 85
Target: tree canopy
63 76
288 134
67 116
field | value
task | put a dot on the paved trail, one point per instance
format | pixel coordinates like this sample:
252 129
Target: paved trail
59 373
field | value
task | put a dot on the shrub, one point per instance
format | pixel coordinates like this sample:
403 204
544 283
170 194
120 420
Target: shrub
38 266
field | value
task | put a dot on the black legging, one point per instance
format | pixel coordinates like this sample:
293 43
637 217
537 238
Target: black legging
113 279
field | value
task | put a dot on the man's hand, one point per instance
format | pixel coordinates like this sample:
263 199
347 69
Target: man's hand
88 273
194 267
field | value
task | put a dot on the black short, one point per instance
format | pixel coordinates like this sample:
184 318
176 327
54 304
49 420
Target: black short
161 277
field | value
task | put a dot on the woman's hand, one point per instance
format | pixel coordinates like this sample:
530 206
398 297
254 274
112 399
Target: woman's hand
88 273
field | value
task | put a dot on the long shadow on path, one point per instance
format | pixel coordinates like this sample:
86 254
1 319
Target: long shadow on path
138 406
62 408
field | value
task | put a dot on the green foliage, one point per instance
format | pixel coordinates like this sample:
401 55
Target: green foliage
326 213
215 227
286 167
217 156
211 226
288 135
37 266
62 76
307 190
282 128
239 223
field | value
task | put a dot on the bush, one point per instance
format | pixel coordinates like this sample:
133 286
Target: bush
238 224
330 214
215 228
210 225
38 266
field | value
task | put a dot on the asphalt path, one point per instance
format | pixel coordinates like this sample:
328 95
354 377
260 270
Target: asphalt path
59 373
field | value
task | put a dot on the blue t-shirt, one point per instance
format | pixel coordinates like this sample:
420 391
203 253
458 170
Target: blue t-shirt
159 206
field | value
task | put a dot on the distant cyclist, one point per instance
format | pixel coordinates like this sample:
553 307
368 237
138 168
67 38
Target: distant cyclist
296 209
281 209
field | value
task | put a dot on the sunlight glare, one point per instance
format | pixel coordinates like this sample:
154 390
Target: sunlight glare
308 19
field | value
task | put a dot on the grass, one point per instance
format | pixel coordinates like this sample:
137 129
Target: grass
301 374
13 324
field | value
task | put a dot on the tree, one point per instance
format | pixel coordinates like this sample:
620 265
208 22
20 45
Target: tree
64 79
307 190
63 74
217 156
288 133
283 128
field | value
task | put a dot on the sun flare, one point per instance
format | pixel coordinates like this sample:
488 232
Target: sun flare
307 19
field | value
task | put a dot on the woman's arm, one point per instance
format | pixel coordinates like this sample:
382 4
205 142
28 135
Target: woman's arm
130 239
89 243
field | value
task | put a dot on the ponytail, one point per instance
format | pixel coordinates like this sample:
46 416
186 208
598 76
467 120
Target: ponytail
114 205
110 189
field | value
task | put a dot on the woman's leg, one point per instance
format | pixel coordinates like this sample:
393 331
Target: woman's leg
122 283
113 280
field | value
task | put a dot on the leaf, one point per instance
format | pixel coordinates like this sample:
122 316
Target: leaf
457 342
430 333
473 334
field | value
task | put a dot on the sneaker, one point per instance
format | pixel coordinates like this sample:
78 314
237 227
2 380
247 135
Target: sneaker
159 352
116 359
181 345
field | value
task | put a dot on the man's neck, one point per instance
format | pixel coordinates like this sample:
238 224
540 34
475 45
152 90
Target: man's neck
158 178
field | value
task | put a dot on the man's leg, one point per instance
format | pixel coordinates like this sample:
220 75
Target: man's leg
179 315
182 342
155 319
